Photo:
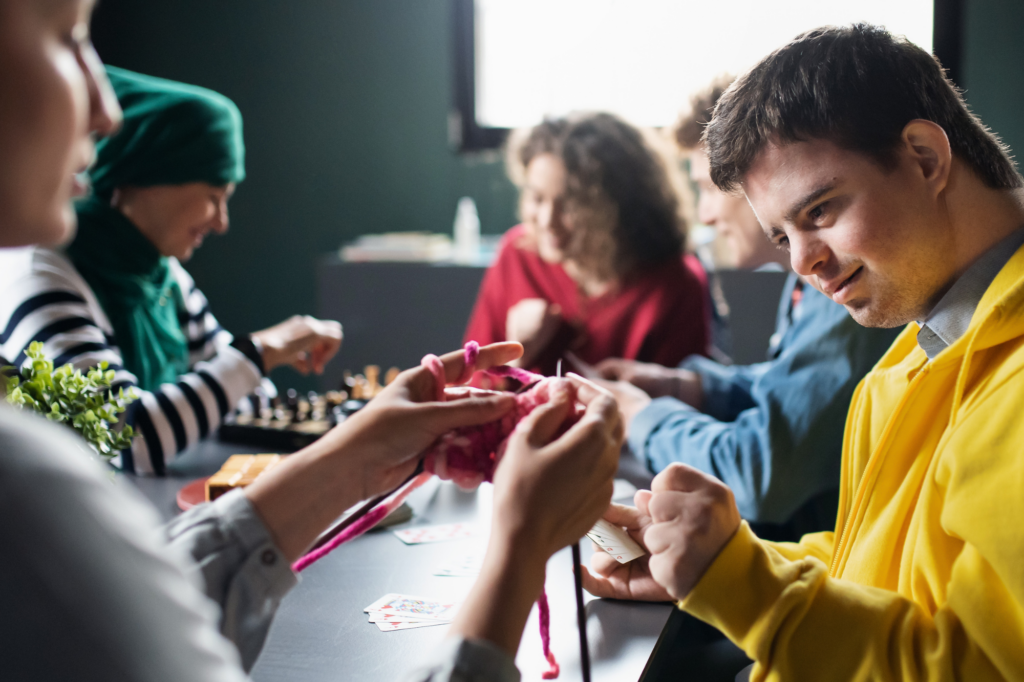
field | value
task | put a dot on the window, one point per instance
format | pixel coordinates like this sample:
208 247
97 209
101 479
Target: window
520 60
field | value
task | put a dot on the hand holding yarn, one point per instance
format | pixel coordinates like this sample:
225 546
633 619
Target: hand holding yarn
468 455
389 435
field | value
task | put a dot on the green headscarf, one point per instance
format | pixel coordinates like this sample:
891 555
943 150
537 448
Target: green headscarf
172 134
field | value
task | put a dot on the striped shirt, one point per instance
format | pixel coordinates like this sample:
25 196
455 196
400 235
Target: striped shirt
43 298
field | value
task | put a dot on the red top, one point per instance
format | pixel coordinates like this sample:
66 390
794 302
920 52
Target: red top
661 315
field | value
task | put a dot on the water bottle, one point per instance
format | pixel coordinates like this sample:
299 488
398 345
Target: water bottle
467 232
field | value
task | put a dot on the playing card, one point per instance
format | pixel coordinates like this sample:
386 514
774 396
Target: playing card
448 531
413 607
378 617
616 541
387 626
467 566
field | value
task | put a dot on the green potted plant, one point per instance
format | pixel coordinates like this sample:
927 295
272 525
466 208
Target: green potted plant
80 400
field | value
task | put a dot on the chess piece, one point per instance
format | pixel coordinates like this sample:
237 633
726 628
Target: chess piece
358 391
391 375
372 380
291 402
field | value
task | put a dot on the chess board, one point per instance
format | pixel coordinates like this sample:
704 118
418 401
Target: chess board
291 422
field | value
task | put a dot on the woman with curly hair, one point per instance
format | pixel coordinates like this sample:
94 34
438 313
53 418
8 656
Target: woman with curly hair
598 266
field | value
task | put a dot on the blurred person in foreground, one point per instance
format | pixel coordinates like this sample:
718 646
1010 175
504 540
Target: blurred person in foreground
771 431
95 588
598 266
861 158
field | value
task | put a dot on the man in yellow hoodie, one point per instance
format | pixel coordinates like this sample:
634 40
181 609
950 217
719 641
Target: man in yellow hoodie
894 200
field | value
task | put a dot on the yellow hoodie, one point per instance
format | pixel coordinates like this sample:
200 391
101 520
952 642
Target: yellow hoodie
924 576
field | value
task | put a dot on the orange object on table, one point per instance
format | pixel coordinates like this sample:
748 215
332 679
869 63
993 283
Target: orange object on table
238 471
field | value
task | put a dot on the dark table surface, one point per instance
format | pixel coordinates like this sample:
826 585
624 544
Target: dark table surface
321 632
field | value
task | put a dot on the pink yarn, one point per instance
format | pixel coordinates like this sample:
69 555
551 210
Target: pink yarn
468 455
545 636
372 518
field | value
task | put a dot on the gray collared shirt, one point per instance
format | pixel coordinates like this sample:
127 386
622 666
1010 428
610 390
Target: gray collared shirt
952 315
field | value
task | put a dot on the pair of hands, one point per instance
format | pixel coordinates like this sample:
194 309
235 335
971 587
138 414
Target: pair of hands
301 341
634 384
684 521
549 490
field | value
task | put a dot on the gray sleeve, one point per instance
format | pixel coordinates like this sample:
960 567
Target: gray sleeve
240 567
466 660
91 592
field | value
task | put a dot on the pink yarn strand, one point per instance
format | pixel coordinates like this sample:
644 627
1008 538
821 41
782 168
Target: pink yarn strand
544 614
471 351
436 367
372 518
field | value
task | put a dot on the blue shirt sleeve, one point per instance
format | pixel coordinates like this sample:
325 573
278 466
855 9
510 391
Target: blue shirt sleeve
772 431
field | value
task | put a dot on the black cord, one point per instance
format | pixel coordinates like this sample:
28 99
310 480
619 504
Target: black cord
581 613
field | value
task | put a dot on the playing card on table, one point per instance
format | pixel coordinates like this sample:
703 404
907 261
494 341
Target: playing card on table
466 566
448 531
389 622
615 541
391 626
378 617
413 607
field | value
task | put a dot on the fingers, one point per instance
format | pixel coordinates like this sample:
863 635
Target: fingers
453 393
621 515
597 586
326 349
586 390
541 425
660 536
681 478
612 368
642 500
603 563
490 356
468 412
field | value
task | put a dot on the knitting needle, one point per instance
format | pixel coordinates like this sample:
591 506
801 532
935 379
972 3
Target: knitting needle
581 613
361 512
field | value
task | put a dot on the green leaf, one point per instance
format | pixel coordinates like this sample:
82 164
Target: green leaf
82 400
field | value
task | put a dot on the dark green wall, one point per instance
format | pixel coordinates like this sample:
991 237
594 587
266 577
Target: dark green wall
345 106
992 63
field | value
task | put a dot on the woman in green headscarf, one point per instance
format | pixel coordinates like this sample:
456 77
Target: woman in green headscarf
159 186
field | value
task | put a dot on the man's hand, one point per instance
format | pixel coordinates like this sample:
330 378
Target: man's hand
693 517
607 577
655 380
631 399
532 322
301 341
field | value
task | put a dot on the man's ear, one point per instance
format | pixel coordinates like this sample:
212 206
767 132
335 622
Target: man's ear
928 146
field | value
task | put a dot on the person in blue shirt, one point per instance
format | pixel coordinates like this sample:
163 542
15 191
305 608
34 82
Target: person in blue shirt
771 431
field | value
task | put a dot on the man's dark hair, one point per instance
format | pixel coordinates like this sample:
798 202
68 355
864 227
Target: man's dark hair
856 86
